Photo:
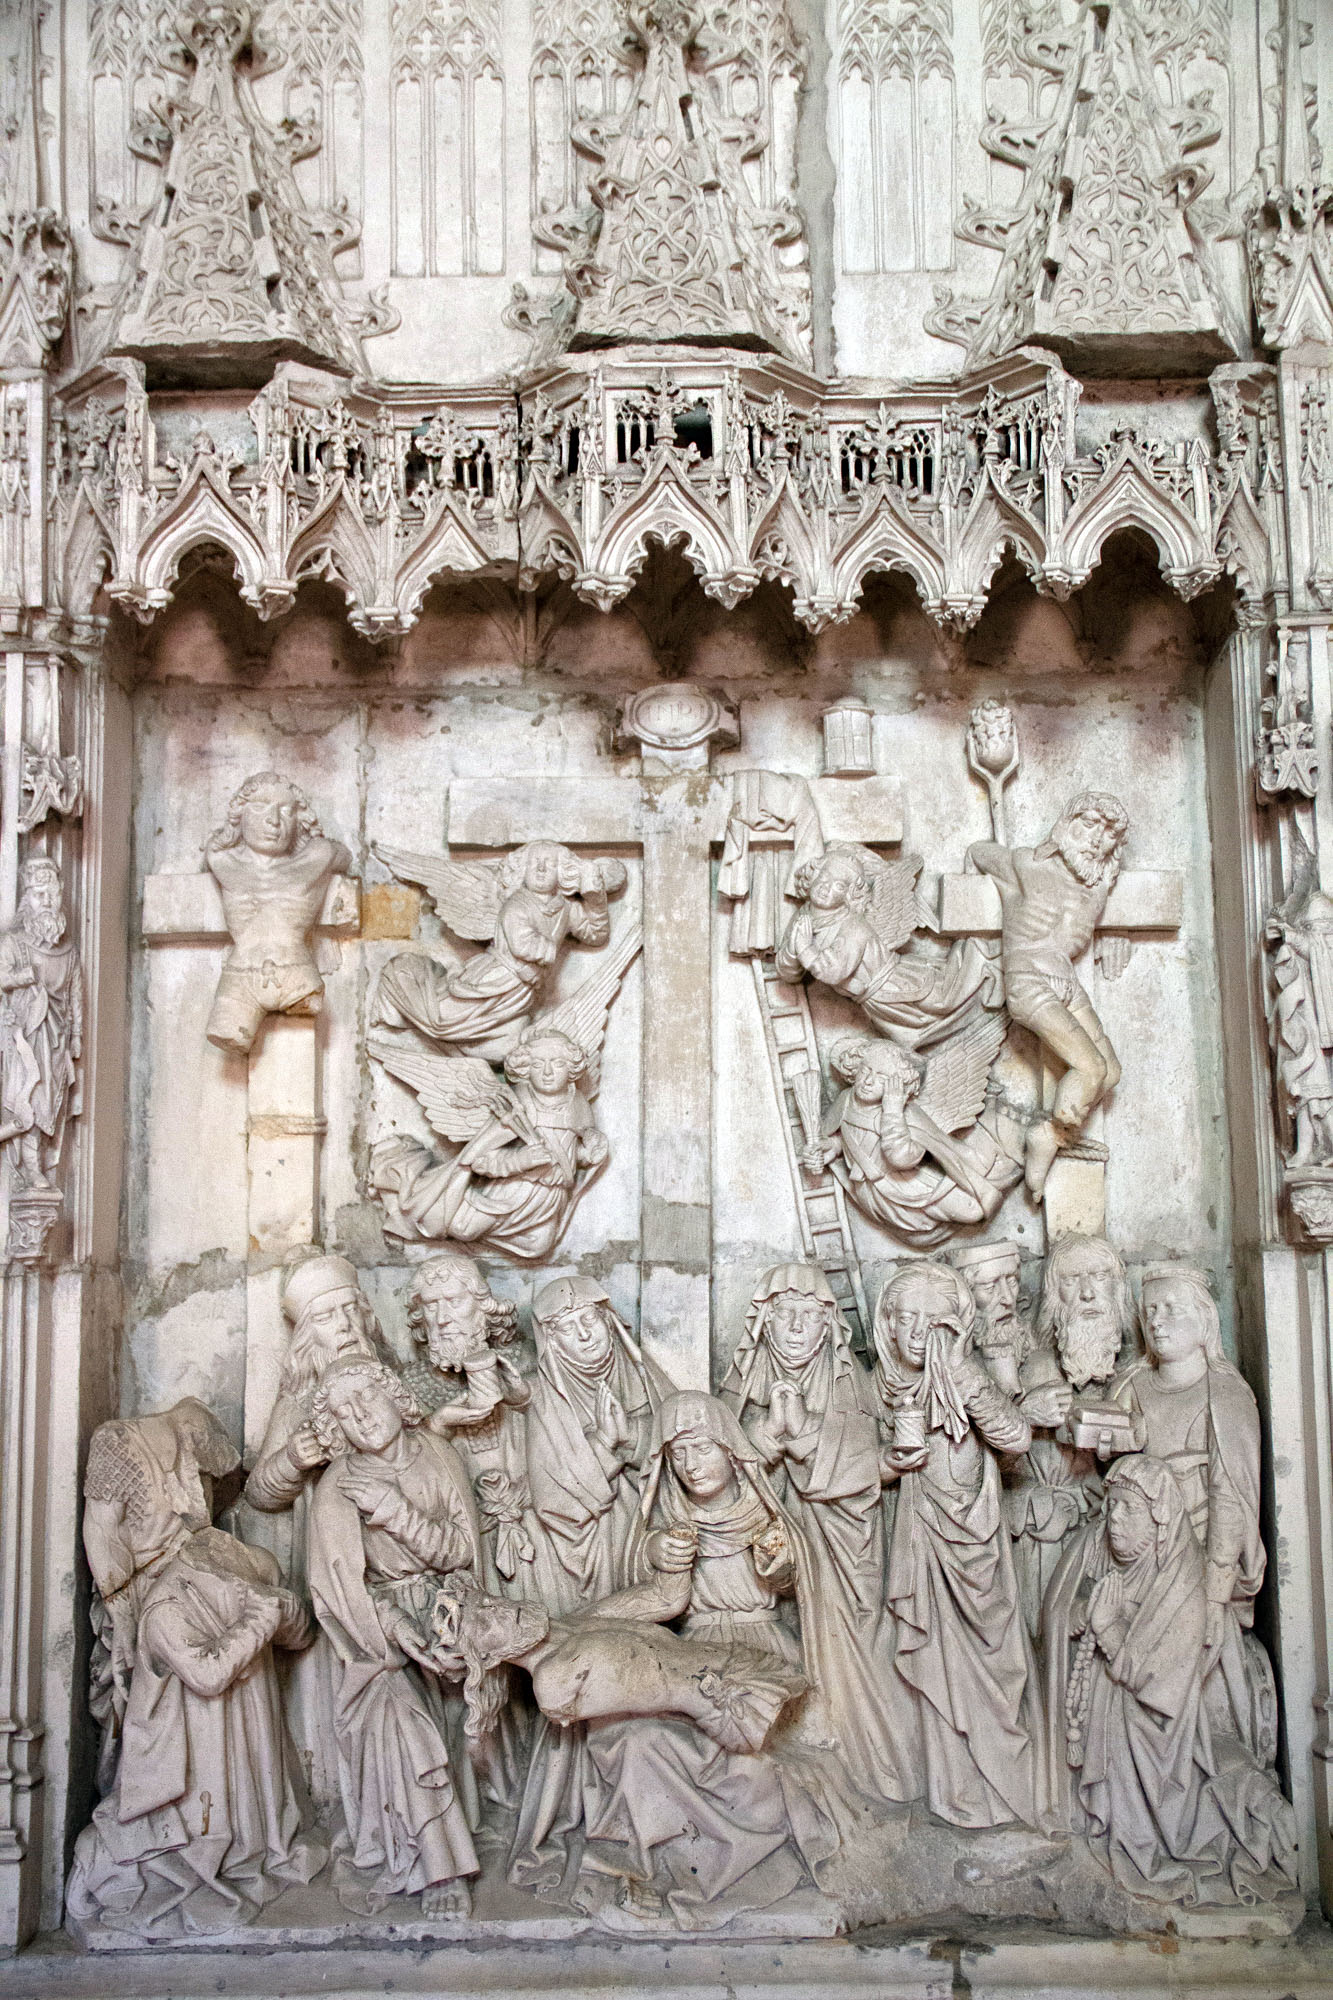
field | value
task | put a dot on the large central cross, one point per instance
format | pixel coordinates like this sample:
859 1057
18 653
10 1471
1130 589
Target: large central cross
675 814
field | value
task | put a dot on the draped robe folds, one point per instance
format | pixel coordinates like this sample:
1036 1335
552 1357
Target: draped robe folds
1171 1818
408 1794
499 1189
586 1507
912 999
481 1007
830 1486
962 1646
925 1203
1219 1475
202 1826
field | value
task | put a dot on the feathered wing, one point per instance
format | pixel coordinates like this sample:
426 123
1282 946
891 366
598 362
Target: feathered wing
895 909
456 1092
466 894
954 1090
583 1017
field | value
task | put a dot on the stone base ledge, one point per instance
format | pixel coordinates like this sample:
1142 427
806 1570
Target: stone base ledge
1000 1963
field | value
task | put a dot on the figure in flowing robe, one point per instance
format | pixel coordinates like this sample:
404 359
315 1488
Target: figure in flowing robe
675 1818
962 1653
858 912
808 1406
1172 1814
523 908
202 1824
1198 1417
392 1516
589 1424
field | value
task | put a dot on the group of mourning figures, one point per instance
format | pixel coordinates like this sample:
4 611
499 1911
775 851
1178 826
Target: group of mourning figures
671 1651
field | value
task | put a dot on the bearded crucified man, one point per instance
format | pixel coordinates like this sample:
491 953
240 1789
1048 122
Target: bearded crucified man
1052 897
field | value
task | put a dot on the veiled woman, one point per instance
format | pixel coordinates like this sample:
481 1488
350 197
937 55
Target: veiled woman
676 1819
589 1424
808 1407
962 1652
1172 1814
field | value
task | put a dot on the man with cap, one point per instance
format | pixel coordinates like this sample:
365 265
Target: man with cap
330 1318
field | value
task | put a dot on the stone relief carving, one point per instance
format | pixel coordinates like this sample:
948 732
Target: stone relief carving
1052 897
41 1044
1108 248
201 1824
274 867
816 491
322 85
672 244
754 1626
1288 760
200 293
895 104
448 138
1299 936
529 1145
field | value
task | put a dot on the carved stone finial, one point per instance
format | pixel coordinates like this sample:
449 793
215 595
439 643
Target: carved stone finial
36 249
1103 260
1291 231
672 246
214 298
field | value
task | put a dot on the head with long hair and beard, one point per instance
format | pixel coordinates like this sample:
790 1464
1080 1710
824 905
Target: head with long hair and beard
41 910
1088 837
331 1318
1087 1308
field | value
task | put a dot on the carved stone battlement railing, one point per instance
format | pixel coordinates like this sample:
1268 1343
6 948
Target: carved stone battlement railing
755 470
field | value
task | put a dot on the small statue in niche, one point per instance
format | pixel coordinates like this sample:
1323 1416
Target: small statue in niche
331 1319
809 1407
966 1681
1173 1811
528 1148
41 1026
903 1137
391 1516
1051 898
1085 1328
274 867
201 1826
1300 934
465 1330
522 908
858 913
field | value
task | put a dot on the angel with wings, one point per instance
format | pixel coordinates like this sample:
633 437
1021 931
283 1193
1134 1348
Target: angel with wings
528 1143
903 1138
857 914
522 908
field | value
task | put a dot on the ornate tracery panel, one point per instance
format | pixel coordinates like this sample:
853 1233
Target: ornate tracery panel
323 80
447 125
895 127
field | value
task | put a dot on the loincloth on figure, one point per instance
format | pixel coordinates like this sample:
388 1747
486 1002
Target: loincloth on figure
246 994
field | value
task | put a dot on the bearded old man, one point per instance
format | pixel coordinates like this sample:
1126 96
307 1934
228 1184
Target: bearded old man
41 1025
1051 899
1085 1328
